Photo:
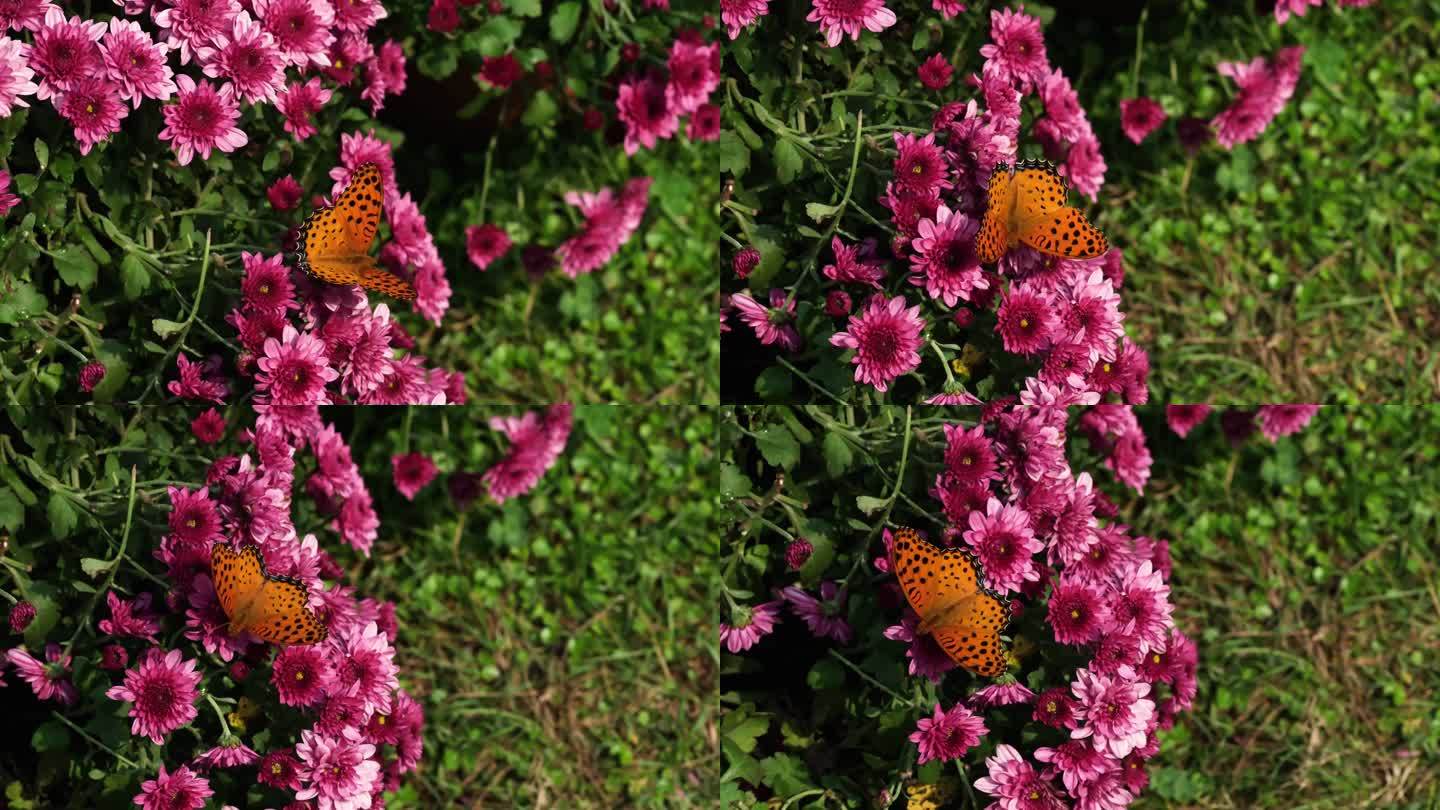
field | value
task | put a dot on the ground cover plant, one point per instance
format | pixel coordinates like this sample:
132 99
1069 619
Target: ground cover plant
157 159
122 683
1194 135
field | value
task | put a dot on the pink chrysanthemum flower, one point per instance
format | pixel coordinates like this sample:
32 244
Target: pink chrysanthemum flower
609 224
1026 320
1078 612
280 769
848 265
771 324
267 285
485 243
1090 314
412 472
840 17
190 25
1077 762
694 75
181 790
246 54
202 119
954 398
91 373
21 15
285 193
295 370
1001 694
748 625
358 16
1108 558
208 427
919 165
1054 708
1062 106
370 353
193 516
1264 89
131 619
1140 116
297 102
1005 544
1130 460
935 73
886 339
1085 167
704 123
944 257
300 28
969 458
1114 712
20 617
948 734
927 659
1284 420
1017 48
1074 530
536 443
65 51
824 616
230 753
15 81
974 143
1016 784
94 108
647 115
1284 8
162 691
340 771
50 679
1185 418
347 54
947 8
136 63
365 667
737 14
1141 606
302 675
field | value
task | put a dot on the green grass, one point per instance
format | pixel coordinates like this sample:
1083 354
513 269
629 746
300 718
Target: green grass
1293 268
561 645
1307 573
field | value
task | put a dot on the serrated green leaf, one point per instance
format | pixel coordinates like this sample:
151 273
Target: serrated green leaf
165 328
778 446
75 266
870 505
820 211
93 567
62 515
838 454
564 20
788 161
12 514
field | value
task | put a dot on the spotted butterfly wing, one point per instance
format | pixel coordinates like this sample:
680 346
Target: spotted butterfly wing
270 607
994 236
284 615
238 576
335 241
1026 205
944 586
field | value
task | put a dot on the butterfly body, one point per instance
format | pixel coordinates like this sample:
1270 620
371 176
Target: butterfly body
946 590
1026 205
270 607
334 241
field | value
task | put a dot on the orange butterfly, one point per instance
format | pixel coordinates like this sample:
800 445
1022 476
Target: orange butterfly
1027 205
335 241
943 586
269 607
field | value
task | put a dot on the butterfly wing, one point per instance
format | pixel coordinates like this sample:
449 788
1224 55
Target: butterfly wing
993 238
335 241
1066 232
932 578
358 209
1039 190
972 638
380 280
238 575
283 615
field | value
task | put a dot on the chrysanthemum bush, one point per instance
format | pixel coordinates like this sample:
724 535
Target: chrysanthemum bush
828 692
122 677
155 159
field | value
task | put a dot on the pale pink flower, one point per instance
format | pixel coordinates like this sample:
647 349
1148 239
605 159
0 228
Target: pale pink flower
886 338
93 106
248 56
65 51
300 28
189 25
297 102
837 18
201 120
162 693
15 77
137 63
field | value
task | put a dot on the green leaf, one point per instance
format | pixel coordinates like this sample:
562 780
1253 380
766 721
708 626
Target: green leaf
75 266
21 303
734 483
774 384
542 110
134 276
826 674
12 514
778 446
820 211
742 729
497 35
438 62
870 505
564 21
524 8
93 567
62 515
50 736
838 454
734 154
788 161
42 154
165 328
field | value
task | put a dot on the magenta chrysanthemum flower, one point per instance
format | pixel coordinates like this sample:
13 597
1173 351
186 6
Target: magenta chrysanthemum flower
1078 612
1001 694
1074 531
772 324
340 771
190 25
1090 315
208 427
20 15
1284 420
927 659
935 73
1085 167
745 262
193 516
162 691
1112 711
284 194
824 616
302 675
536 442
20 617
1016 784
280 769
347 54
1062 107
8 201
919 165
132 619
136 63
886 339
1108 558
1264 89
947 8
295 370
267 285
849 266
797 552
838 18
247 55
969 458
230 753
1141 606
1185 418
1026 320
297 102
694 75
704 123
954 398
1284 8
748 625
94 108
358 16
15 81
1016 50
609 224
65 51
1140 116
646 113
1054 708
181 790
412 472
202 119
485 243
1130 460
948 734
737 14
1077 762
301 29
1005 544
365 667
944 257
50 679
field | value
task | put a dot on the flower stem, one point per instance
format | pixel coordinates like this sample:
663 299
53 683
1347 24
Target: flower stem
62 718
